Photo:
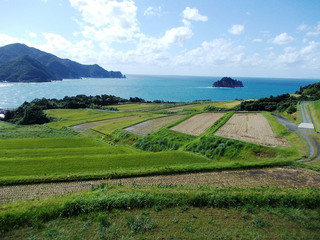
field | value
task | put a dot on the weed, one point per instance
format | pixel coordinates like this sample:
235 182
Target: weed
184 208
140 224
260 223
52 232
190 229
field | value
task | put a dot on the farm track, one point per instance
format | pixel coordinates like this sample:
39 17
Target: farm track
250 127
285 177
198 124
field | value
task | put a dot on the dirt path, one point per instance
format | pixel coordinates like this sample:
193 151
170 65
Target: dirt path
289 177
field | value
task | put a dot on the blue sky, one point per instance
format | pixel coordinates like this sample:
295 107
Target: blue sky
254 38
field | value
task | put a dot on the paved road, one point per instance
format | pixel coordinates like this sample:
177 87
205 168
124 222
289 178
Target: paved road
304 113
305 133
314 146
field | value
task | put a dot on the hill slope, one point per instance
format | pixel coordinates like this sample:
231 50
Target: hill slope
25 69
60 68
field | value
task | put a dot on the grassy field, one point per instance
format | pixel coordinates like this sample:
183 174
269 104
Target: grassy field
137 106
34 131
199 106
315 114
70 117
86 163
75 142
145 208
180 223
114 212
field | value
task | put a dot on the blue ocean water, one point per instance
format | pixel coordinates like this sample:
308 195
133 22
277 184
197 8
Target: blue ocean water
167 88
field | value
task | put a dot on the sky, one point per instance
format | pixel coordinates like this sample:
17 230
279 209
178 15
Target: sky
244 38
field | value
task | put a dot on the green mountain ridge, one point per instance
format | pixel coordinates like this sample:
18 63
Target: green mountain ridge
25 69
57 67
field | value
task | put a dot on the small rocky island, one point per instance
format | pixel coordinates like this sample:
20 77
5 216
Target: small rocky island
227 82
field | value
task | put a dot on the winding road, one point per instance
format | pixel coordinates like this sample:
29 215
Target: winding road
305 130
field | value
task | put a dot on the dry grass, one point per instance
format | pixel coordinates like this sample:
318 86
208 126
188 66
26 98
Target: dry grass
89 125
251 127
289 177
198 123
152 125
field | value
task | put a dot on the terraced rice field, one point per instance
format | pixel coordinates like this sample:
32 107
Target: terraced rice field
250 127
136 106
89 125
110 126
152 125
274 177
198 124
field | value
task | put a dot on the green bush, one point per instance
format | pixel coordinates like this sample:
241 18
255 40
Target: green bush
163 140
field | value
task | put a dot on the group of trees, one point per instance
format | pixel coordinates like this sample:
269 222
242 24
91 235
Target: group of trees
281 103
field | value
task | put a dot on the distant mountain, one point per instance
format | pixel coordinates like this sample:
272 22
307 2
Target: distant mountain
57 67
228 82
25 69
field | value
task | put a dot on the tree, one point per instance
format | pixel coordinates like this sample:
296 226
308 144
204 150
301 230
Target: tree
34 115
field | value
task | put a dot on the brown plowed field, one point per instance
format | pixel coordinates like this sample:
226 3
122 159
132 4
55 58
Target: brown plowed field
289 177
198 123
152 125
250 127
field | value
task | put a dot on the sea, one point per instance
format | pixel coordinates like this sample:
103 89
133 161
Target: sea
149 87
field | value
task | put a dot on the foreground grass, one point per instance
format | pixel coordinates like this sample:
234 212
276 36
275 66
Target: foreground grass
294 204
180 223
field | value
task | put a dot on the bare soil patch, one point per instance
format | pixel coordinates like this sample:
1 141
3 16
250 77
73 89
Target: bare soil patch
152 125
198 123
251 127
89 125
289 177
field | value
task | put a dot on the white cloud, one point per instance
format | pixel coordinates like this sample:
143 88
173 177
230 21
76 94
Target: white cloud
193 14
307 57
257 40
108 20
302 27
265 33
216 52
153 11
315 31
236 29
282 38
32 34
177 36
6 39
